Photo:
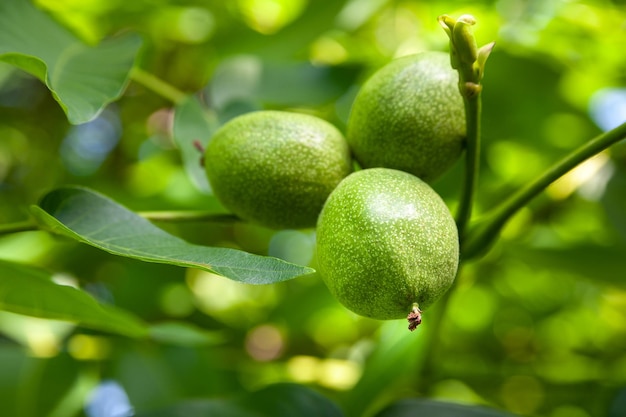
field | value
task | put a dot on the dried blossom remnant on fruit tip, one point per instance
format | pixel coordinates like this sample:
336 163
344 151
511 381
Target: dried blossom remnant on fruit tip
414 318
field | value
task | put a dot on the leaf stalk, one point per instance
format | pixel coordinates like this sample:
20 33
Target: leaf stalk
482 234
157 85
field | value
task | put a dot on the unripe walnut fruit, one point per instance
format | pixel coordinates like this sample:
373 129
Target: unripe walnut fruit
409 116
276 168
386 244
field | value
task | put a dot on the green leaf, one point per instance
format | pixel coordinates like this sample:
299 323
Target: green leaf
96 220
599 263
614 201
83 79
201 408
193 123
30 291
278 400
184 334
395 358
286 400
415 407
248 78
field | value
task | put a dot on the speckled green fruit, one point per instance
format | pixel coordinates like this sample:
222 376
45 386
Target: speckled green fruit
385 242
409 116
276 168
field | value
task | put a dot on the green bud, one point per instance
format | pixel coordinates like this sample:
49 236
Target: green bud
464 40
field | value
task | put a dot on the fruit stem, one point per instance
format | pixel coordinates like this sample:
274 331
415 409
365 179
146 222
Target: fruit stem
414 317
157 85
482 234
473 108
469 61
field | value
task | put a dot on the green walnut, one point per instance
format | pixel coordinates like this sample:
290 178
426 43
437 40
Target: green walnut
410 116
387 245
276 168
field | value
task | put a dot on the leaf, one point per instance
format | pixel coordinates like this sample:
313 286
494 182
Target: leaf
598 263
83 79
614 201
278 400
417 407
184 334
286 400
30 291
247 78
96 220
193 123
318 18
201 408
395 358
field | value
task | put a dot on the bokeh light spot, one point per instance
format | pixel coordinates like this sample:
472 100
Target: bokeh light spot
42 337
190 25
522 394
303 369
339 374
177 300
85 347
229 301
109 399
590 178
332 326
472 309
269 16
515 162
293 246
86 146
265 343
608 108
328 51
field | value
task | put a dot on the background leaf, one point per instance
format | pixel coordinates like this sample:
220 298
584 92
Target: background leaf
201 408
94 219
29 291
248 78
277 400
286 400
83 79
184 334
192 122
600 264
410 408
614 201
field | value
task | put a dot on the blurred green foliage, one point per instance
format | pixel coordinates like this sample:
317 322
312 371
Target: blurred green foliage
537 327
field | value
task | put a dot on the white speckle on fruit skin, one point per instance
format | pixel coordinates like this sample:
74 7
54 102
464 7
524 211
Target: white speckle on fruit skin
409 116
386 241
